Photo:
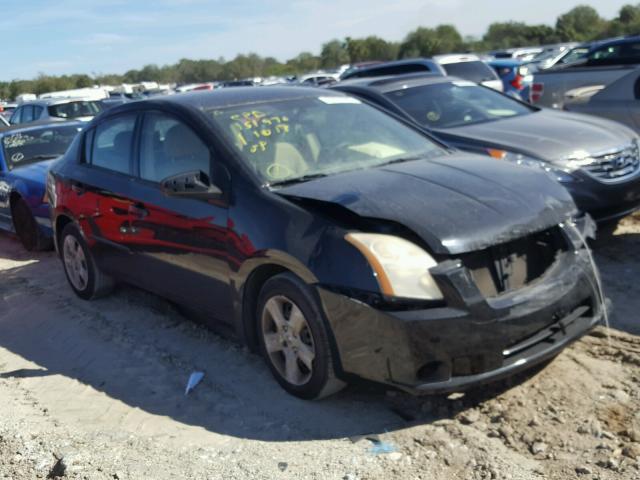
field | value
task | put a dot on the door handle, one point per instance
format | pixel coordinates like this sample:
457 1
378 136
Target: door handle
78 188
138 211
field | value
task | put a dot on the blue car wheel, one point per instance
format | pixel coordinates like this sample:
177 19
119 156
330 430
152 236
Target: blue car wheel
27 229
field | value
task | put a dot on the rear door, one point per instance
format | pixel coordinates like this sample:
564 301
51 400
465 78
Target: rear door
99 193
180 244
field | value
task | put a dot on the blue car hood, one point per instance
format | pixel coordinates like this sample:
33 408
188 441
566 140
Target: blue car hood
36 172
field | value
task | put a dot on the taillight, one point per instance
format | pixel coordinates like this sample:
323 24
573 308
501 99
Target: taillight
535 94
517 82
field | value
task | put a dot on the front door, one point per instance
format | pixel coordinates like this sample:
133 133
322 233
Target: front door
179 244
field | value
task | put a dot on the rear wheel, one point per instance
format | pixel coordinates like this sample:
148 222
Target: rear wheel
27 228
84 276
294 340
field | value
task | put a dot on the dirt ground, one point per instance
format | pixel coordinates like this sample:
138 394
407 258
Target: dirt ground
96 391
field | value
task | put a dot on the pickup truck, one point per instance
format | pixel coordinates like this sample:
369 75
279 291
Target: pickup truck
604 63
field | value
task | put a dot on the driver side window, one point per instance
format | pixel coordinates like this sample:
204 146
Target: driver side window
169 147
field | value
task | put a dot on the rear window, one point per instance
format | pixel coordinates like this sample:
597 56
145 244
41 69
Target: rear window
475 71
32 146
75 109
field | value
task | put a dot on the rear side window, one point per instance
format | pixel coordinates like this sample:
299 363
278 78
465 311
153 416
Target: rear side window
37 111
477 72
112 144
75 109
27 114
170 147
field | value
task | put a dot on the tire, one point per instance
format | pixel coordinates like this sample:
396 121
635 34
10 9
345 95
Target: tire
303 340
27 228
83 275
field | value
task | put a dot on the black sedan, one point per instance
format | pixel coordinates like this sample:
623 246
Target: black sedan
337 240
597 160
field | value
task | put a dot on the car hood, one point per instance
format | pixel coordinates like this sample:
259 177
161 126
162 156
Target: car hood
550 135
456 203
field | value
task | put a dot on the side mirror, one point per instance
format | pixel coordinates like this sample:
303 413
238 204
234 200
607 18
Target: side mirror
195 184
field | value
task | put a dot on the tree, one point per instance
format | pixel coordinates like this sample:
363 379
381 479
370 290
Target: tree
425 42
334 54
626 23
370 48
580 24
517 34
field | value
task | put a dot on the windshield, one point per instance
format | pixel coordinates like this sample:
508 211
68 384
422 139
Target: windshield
454 104
475 71
308 137
32 146
75 109
573 55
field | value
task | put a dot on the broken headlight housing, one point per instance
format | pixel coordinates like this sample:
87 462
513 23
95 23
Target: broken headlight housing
562 175
401 267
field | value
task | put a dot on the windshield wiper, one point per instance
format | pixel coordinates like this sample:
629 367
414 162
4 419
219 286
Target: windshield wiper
42 157
402 160
302 179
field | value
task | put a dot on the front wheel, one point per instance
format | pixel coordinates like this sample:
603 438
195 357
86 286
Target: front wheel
294 340
83 275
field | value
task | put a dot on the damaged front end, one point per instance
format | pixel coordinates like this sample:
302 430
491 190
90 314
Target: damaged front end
504 309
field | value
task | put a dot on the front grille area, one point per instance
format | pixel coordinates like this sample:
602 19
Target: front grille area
616 165
512 265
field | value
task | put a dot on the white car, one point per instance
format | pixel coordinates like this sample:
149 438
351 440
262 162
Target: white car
470 67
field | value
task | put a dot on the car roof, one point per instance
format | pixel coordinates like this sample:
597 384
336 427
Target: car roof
614 41
456 58
392 83
505 62
220 98
41 125
56 101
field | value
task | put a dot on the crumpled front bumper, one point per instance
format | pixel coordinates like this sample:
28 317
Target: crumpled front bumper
472 339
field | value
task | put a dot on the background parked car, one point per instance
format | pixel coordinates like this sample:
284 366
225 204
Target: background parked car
553 54
470 67
618 101
56 109
604 63
597 160
25 154
351 246
399 67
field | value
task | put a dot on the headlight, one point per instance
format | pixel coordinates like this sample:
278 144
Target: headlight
562 175
401 268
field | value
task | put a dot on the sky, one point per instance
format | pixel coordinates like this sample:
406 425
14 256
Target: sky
111 36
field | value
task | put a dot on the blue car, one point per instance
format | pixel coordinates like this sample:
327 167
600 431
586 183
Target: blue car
25 155
516 77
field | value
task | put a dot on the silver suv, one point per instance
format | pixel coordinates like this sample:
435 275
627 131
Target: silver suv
53 109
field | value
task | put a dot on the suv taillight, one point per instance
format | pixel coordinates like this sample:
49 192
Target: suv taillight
535 93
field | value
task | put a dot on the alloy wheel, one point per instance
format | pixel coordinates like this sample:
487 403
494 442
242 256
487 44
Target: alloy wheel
75 263
288 339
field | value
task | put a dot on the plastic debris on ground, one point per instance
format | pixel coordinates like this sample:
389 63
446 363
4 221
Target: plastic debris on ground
194 380
381 447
